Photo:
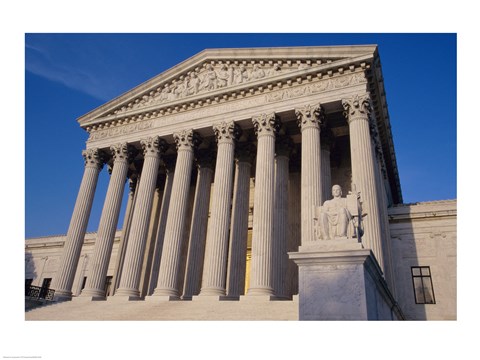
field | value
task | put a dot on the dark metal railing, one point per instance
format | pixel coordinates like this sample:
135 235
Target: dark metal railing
37 292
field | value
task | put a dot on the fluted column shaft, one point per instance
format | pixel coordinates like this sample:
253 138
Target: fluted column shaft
216 248
174 232
239 229
97 272
130 280
280 224
127 221
357 110
310 118
261 277
62 283
198 231
162 221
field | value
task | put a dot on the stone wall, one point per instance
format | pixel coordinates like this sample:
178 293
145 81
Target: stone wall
425 234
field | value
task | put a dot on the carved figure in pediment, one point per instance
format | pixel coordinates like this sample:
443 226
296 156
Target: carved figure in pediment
340 217
223 76
240 75
210 79
193 84
257 72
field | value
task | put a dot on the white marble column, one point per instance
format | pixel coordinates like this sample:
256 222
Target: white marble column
127 220
309 120
162 221
216 248
95 286
63 281
167 282
284 147
198 227
237 252
130 280
261 277
357 110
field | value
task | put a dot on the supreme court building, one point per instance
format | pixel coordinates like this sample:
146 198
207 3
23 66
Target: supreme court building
227 159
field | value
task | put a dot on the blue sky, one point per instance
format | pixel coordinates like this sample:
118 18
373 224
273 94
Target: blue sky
67 75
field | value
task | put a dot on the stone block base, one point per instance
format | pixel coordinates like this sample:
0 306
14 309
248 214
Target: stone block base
214 298
342 283
161 298
86 298
123 298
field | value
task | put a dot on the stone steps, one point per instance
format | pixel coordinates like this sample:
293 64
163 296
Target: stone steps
256 309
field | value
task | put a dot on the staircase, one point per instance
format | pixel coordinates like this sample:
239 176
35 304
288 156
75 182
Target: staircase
114 309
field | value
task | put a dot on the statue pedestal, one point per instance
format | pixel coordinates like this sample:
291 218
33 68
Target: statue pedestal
340 280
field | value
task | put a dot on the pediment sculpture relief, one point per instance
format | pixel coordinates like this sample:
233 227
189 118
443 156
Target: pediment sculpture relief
340 217
213 76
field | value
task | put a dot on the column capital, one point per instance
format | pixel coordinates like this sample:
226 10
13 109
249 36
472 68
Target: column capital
266 124
123 152
94 158
357 106
310 116
187 140
153 146
227 131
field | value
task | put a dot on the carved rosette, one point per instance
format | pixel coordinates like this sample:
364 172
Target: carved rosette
94 158
310 116
153 146
187 140
227 131
266 124
284 146
358 106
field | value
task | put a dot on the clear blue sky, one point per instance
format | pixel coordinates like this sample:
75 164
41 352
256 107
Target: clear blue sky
67 75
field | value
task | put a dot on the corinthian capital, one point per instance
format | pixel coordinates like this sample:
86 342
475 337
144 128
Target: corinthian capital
356 106
153 146
123 152
93 158
227 131
266 124
187 140
310 116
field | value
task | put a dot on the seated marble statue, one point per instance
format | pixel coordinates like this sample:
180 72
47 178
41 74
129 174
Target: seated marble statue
339 218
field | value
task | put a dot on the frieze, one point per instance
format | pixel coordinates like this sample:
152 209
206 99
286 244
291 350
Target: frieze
120 130
245 100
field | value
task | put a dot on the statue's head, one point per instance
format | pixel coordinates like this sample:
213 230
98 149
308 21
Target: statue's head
336 191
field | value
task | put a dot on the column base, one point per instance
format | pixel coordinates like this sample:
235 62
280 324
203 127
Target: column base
62 296
166 292
127 294
342 282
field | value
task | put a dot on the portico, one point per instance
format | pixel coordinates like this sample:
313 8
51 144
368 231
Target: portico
282 124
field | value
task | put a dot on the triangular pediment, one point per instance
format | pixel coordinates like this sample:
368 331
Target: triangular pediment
215 73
